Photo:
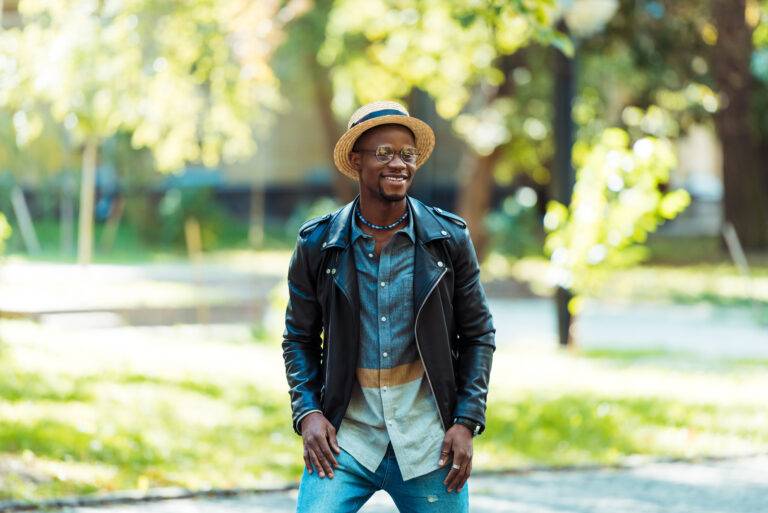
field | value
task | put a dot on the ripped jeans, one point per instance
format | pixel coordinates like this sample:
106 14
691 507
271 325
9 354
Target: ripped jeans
353 484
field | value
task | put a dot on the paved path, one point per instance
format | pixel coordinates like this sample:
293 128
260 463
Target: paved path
702 329
731 486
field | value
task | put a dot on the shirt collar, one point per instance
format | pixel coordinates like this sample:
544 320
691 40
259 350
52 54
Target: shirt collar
408 229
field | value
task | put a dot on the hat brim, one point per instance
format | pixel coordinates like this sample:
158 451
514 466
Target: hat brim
425 140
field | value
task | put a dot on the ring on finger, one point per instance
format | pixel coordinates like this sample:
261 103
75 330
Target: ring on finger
455 466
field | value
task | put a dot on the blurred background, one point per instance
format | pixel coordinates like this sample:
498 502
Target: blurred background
157 159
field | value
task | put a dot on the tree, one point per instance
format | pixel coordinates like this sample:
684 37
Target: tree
617 202
458 53
744 172
5 232
692 59
297 59
190 80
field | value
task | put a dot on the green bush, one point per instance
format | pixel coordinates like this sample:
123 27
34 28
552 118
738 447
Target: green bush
5 232
307 211
162 223
516 228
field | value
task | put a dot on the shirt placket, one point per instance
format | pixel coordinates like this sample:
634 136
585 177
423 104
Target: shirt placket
385 336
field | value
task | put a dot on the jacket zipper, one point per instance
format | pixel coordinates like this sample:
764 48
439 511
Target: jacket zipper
327 363
418 347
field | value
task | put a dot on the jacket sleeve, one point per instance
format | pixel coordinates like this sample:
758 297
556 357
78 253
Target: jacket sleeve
301 338
476 334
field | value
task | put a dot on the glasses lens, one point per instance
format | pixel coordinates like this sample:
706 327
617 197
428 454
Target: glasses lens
409 155
384 153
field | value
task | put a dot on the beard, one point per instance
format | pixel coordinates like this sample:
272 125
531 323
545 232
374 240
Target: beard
392 198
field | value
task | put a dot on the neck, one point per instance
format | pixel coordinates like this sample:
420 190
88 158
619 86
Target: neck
380 211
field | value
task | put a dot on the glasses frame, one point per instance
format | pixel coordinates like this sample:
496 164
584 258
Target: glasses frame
413 152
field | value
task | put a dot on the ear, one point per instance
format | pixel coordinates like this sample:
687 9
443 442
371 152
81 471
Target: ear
354 159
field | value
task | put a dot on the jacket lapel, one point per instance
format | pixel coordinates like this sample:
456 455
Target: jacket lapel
427 268
345 273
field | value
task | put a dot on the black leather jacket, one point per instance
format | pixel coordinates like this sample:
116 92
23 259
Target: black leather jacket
453 329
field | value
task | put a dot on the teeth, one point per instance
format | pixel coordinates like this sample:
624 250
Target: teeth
394 179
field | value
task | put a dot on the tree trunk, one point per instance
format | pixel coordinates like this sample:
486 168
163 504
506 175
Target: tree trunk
67 216
343 188
24 218
475 196
477 182
745 199
87 197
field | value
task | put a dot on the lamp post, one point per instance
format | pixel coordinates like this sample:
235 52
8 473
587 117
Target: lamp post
579 19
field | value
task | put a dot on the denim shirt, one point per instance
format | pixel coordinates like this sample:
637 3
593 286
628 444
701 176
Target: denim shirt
391 401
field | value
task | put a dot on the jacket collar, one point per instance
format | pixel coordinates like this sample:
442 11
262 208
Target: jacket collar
426 226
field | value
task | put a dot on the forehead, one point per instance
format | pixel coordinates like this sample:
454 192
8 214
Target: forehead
397 135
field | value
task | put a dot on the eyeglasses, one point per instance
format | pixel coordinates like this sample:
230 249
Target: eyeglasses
385 154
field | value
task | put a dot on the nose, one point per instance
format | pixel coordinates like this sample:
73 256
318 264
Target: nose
397 161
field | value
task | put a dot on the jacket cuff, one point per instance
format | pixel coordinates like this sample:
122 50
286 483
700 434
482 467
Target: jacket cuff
297 422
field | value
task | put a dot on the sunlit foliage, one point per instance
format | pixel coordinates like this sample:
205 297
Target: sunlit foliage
617 201
190 80
5 232
384 48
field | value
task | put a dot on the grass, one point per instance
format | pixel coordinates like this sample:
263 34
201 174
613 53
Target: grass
130 248
99 410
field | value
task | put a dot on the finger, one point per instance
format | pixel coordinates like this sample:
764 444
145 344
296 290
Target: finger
326 456
316 463
445 451
449 478
306 460
461 461
322 456
454 483
466 476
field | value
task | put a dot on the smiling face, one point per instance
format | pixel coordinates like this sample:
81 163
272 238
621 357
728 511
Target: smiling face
387 181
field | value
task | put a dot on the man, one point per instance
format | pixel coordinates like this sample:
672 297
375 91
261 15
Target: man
388 338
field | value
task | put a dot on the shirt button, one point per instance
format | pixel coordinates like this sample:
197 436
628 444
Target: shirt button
383 283
444 232
384 354
384 388
440 264
391 422
383 318
370 255
325 244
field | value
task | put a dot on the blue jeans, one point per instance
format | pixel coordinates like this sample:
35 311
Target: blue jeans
353 484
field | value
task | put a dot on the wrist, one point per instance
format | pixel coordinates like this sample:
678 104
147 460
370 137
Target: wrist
306 416
472 426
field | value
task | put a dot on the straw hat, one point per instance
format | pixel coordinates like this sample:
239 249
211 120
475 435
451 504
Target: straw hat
375 114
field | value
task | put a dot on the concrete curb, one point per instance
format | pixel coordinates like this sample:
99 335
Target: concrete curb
135 496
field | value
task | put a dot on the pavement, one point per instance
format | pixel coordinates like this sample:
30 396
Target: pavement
725 486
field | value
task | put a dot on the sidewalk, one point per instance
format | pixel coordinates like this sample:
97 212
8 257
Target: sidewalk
728 486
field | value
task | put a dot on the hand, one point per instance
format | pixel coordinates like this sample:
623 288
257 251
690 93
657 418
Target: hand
319 437
457 441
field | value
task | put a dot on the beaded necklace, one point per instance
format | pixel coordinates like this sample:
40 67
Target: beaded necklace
379 226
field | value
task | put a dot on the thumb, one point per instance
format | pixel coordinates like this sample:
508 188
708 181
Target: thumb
332 440
445 450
